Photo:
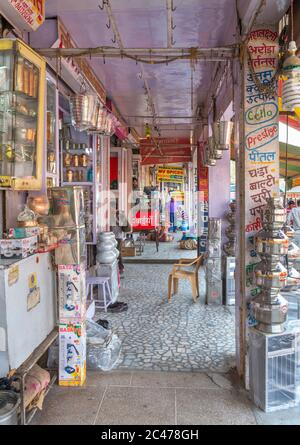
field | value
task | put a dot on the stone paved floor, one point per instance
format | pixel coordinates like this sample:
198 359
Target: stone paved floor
156 336
166 251
157 398
181 335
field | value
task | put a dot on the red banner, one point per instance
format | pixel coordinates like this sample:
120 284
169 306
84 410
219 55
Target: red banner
145 220
165 150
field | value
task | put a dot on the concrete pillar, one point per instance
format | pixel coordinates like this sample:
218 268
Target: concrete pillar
257 156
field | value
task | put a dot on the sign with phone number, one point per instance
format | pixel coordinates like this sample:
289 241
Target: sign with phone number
170 175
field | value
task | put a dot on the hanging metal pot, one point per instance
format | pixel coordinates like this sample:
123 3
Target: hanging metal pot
101 120
83 109
109 125
214 153
210 159
291 86
225 130
216 133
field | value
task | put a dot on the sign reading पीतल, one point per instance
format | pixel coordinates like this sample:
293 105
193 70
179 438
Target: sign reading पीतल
261 139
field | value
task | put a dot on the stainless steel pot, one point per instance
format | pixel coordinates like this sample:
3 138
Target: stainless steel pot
270 313
225 129
84 111
267 244
9 403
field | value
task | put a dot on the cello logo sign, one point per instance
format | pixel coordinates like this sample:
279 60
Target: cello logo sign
261 114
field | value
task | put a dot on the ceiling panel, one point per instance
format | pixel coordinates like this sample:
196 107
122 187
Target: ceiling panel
143 23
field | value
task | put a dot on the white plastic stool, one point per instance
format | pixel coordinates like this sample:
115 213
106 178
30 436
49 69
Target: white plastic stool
99 281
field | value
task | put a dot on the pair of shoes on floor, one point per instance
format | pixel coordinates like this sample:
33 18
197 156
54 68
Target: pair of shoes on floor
103 323
118 306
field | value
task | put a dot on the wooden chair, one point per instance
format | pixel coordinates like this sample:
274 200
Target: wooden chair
179 272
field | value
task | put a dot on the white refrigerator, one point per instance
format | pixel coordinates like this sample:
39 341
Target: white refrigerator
28 307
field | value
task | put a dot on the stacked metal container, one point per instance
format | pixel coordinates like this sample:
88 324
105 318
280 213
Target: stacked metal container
107 262
269 307
229 247
274 348
213 263
229 259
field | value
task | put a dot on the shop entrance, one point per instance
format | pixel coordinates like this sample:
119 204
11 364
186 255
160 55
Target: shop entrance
157 334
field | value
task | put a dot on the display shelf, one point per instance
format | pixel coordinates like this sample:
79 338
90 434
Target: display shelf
19 114
22 103
72 166
72 143
19 94
86 184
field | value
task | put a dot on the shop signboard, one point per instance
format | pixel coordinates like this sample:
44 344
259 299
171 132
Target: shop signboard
261 142
170 174
145 220
203 208
27 15
122 128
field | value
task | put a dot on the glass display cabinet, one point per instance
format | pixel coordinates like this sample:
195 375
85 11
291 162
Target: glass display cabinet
52 163
80 165
22 102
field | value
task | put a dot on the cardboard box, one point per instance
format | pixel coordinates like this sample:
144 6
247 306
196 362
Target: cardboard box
128 251
71 291
23 232
18 248
72 353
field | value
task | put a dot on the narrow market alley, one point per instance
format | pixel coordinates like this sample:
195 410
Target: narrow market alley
175 336
149 213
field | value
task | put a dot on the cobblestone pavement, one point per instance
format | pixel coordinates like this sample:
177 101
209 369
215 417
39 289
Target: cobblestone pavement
166 251
177 336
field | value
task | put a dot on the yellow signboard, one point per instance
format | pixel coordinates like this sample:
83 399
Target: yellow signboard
170 174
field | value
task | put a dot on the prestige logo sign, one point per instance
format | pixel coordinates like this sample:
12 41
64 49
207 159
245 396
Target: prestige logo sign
262 136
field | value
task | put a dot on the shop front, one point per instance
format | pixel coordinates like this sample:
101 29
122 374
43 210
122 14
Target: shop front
54 175
210 259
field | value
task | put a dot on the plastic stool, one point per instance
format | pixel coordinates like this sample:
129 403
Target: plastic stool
105 283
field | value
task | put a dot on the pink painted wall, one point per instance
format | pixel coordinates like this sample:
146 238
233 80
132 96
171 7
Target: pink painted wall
219 190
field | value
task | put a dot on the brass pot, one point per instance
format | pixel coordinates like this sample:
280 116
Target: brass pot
29 223
39 204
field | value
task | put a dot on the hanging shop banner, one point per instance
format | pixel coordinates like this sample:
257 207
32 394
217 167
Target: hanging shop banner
27 15
170 174
165 150
78 66
122 129
261 140
145 220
